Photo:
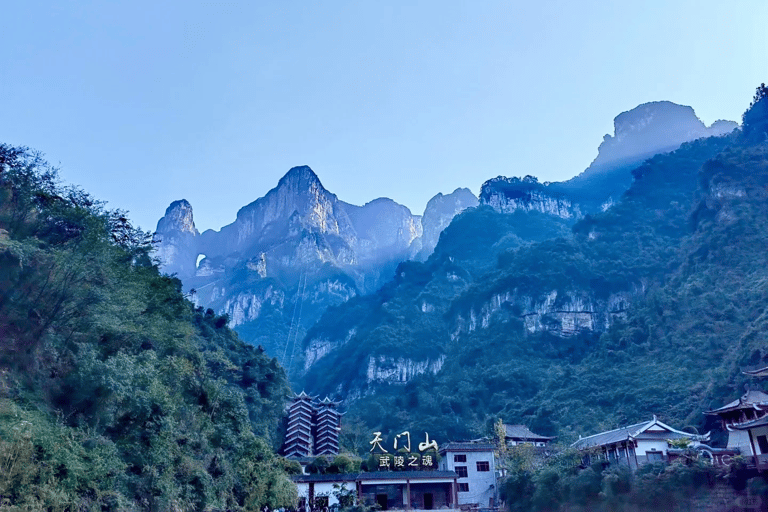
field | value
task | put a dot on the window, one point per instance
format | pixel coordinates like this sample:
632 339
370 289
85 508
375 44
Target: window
459 458
762 442
654 456
483 465
462 471
463 487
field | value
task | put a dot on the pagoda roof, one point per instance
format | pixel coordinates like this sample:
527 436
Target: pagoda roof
641 431
523 432
303 396
760 422
748 400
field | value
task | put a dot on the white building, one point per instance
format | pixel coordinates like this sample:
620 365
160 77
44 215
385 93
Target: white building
636 444
475 465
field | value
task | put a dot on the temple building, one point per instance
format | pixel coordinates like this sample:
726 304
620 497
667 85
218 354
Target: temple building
634 445
313 427
742 418
520 434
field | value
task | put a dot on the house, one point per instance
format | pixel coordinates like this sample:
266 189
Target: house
475 465
636 444
746 421
520 434
390 490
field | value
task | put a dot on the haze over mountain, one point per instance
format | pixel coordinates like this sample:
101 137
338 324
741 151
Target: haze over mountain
298 250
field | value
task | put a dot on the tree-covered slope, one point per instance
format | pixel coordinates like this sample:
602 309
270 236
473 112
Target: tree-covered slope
115 393
651 307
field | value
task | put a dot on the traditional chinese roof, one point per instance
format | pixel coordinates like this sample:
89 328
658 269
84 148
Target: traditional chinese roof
410 475
750 424
748 400
638 431
376 475
466 447
524 433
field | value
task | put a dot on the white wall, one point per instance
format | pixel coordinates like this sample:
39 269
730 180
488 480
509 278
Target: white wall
482 484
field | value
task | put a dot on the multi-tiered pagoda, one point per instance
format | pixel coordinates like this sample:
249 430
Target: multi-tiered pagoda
313 427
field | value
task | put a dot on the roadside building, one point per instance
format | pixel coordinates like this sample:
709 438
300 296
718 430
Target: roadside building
636 444
389 490
746 421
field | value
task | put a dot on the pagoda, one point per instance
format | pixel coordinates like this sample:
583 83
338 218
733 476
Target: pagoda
327 429
298 438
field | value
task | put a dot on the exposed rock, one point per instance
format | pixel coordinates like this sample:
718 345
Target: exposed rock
390 370
563 315
439 212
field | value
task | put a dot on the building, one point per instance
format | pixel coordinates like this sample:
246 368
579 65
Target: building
746 421
390 490
744 411
475 465
520 434
328 420
313 427
299 441
634 445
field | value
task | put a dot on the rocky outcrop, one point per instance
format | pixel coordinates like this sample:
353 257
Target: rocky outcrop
176 238
391 370
562 314
652 128
507 195
439 212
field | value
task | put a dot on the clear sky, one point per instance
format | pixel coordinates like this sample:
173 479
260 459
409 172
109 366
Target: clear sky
142 103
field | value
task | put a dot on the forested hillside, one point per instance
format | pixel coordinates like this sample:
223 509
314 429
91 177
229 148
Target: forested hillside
651 307
115 393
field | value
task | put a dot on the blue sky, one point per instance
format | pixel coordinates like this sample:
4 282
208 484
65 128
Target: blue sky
142 103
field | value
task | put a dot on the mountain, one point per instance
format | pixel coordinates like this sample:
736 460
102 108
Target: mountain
287 257
529 296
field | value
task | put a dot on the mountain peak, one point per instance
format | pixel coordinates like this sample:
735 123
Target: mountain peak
654 127
301 176
178 217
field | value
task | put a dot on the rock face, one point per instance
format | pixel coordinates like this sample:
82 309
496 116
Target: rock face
439 212
652 128
177 239
287 256
507 195
561 314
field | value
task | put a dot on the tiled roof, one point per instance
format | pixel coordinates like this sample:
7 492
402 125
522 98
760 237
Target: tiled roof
609 437
376 475
411 475
748 399
760 372
636 431
751 424
523 432
466 447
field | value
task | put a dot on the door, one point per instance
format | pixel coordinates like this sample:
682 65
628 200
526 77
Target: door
381 499
428 501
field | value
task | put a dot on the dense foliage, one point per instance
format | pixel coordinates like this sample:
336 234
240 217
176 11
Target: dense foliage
115 392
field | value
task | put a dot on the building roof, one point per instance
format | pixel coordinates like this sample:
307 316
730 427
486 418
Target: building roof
410 475
637 431
376 475
746 401
523 432
466 446
751 424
